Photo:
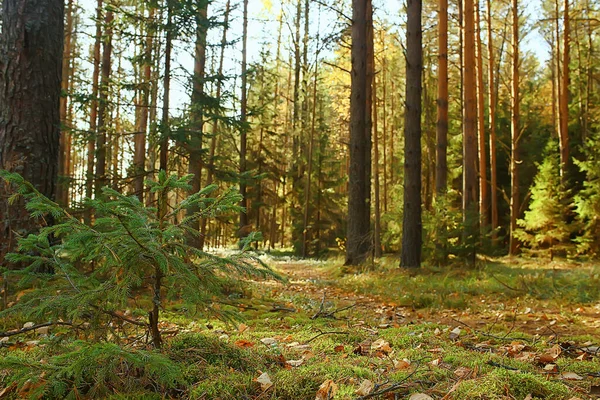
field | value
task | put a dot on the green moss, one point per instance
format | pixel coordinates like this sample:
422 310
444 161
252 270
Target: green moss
500 383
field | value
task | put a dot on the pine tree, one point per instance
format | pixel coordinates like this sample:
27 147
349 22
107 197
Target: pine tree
130 249
545 225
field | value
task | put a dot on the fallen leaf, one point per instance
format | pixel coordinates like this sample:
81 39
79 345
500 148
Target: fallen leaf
420 396
295 363
268 341
381 345
307 354
28 325
242 328
551 368
326 390
436 362
264 380
244 344
402 364
339 348
463 372
365 388
528 397
570 376
455 333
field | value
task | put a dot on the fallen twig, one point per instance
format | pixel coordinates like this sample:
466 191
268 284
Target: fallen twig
391 388
34 327
497 365
282 308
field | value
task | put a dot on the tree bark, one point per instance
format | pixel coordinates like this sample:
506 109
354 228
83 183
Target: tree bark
31 49
243 227
564 96
358 244
64 155
514 131
139 155
492 125
101 177
411 224
470 187
210 173
441 176
484 200
197 114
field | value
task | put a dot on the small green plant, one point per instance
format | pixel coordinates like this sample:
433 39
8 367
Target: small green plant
133 257
95 370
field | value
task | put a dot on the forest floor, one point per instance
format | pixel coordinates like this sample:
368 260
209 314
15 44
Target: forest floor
506 329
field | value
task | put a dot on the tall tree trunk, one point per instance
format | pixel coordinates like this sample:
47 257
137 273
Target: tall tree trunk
165 128
64 155
103 111
243 228
139 155
470 189
492 123
484 200
377 208
197 115
385 127
31 49
411 224
359 238
307 191
441 175
514 131
564 96
93 123
215 126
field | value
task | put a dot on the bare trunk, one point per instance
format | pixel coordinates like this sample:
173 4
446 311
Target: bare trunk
243 228
492 123
514 131
411 224
484 201
64 155
441 164
359 237
103 111
139 156
470 187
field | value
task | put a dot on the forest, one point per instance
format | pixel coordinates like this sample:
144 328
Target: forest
299 199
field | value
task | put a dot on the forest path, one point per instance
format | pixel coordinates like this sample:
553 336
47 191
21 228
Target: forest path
316 282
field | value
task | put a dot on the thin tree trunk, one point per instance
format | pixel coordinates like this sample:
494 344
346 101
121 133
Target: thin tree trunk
64 155
564 97
470 187
139 156
484 200
377 222
492 123
91 145
441 164
215 126
243 228
411 224
514 131
103 111
197 117
165 129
